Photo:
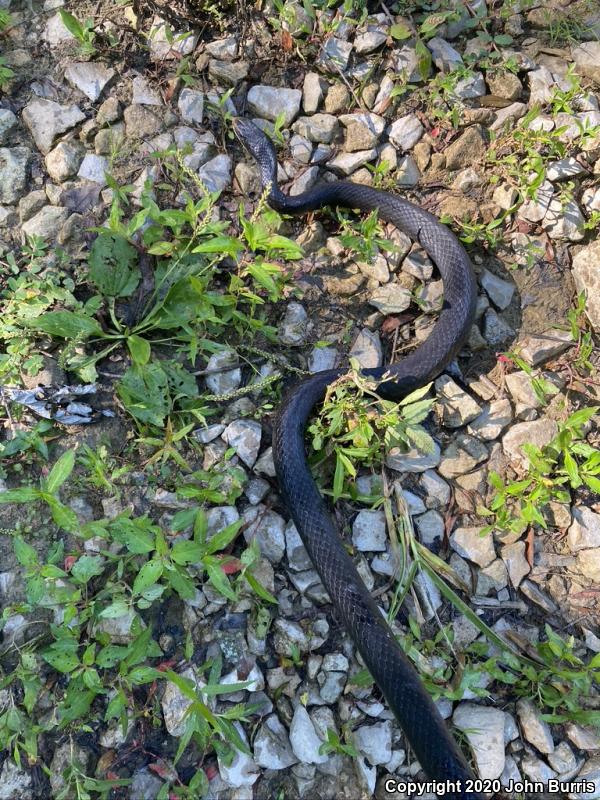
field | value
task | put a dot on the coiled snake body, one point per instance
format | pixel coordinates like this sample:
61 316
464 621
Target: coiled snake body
418 716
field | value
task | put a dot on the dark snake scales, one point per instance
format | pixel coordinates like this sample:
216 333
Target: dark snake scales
418 716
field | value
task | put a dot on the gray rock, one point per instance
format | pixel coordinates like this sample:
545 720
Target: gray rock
256 490
331 685
225 49
46 223
564 168
191 106
466 180
541 86
374 742
564 220
322 358
269 101
517 565
94 168
7 122
484 729
430 527
335 53
305 181
347 163
470 544
46 120
118 629
587 279
293 329
272 749
15 782
242 770
67 755
227 381
144 785
63 162
226 74
322 128
370 40
141 122
405 132
461 456
505 196
538 432
418 264
90 77
14 172
470 87
470 145
267 528
391 298
175 704
301 149
219 517
303 738
56 32
312 92
363 130
511 113
413 460
498 290
143 93
408 64
31 204
587 60
436 489
495 329
589 772
369 531
297 556
537 349
536 770
504 84
492 421
457 407
216 173
582 737
535 209
166 43
408 173
585 530
244 436
445 57
563 760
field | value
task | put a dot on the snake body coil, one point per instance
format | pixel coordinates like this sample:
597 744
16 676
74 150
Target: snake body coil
418 716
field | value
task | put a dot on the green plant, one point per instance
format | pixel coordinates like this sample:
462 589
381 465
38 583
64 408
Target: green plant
82 31
355 426
568 461
363 237
334 744
582 335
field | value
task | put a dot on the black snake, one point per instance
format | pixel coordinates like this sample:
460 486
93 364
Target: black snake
418 716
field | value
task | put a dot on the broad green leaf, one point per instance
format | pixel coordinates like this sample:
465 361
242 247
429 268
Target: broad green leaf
26 555
223 538
400 31
141 675
25 495
145 393
186 552
60 471
64 516
113 266
218 578
139 349
149 574
71 23
66 325
87 567
117 609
